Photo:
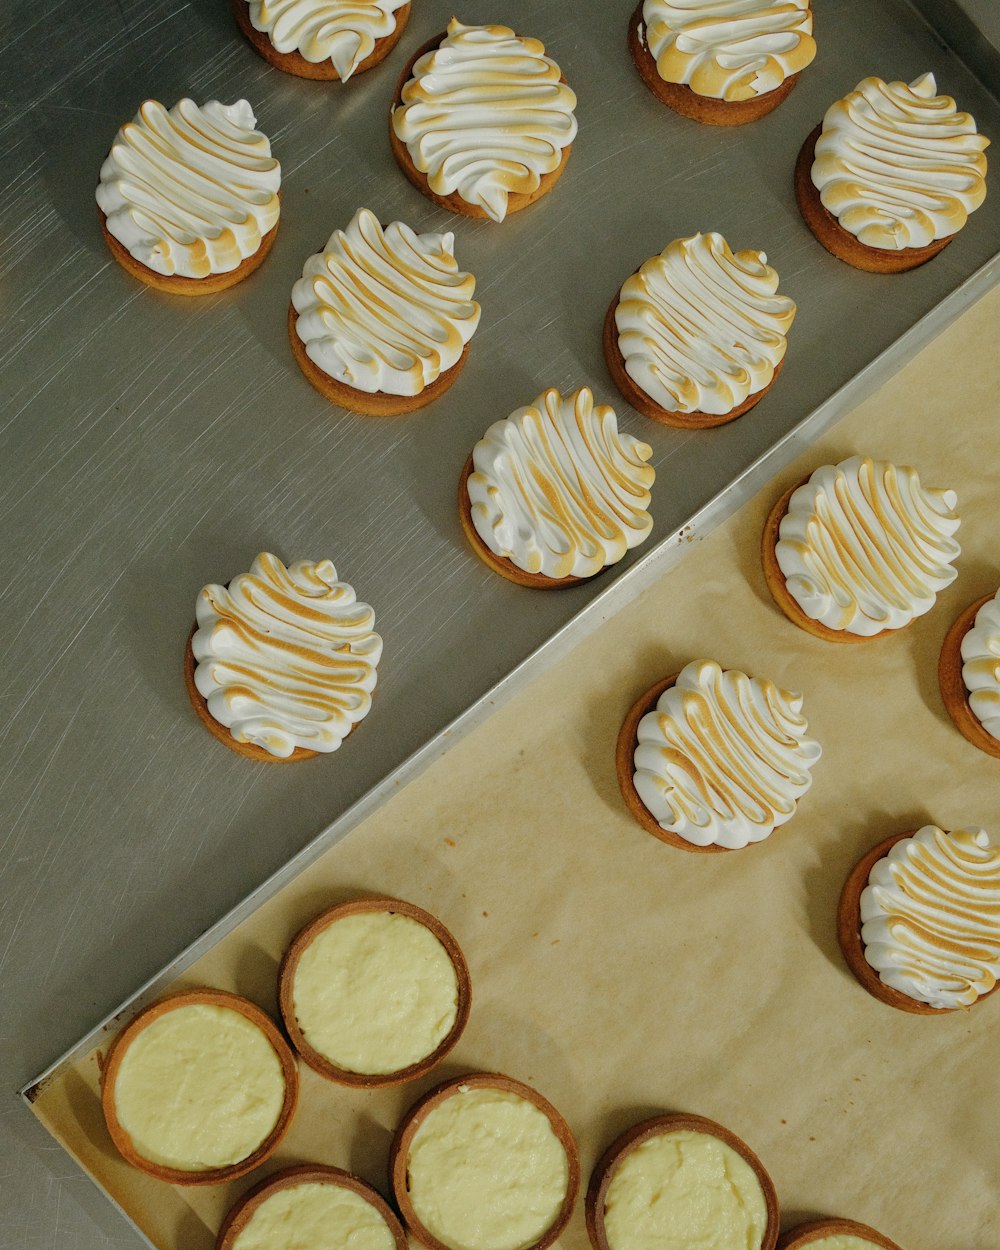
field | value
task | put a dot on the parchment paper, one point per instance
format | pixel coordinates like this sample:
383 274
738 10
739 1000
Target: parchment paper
622 977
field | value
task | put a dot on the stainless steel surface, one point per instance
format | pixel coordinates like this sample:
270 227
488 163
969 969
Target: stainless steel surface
151 445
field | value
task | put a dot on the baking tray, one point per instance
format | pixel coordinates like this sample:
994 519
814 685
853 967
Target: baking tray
153 445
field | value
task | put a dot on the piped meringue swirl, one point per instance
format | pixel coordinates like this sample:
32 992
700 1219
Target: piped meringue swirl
981 666
931 916
724 758
898 165
286 656
863 547
192 191
340 31
729 49
558 490
701 328
385 310
485 114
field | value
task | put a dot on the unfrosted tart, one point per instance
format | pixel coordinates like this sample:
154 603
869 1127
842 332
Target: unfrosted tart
327 40
199 1088
188 197
374 992
969 673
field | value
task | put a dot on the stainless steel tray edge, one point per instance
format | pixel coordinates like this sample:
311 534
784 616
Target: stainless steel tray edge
642 574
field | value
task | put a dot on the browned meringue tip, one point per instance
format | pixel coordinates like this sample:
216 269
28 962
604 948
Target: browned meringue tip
954 694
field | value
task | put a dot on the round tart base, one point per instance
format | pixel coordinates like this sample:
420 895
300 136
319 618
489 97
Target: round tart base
953 690
212 998
453 202
175 284
849 935
374 404
295 63
625 768
399 1151
243 1210
779 591
802 1235
840 242
500 564
701 108
200 705
658 1126
641 402
286 975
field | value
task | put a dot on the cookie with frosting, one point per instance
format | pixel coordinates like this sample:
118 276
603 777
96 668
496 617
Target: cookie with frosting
482 121
322 39
697 335
723 62
919 919
860 549
188 196
969 673
381 319
555 493
891 174
282 662
711 759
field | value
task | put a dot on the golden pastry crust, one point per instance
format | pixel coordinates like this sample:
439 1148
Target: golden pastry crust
286 978
840 242
802 1235
607 1165
243 1210
200 705
641 402
953 690
700 108
368 404
295 63
779 591
454 203
176 284
399 1151
625 769
500 564
212 998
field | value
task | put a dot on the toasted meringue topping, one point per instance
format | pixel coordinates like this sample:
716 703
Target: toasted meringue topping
864 547
340 31
558 490
191 191
898 165
385 310
931 916
286 657
981 666
700 327
485 115
729 49
724 758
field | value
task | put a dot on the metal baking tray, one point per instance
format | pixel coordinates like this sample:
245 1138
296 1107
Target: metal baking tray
152 444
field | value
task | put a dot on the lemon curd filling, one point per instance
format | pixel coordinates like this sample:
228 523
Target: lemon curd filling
314 1216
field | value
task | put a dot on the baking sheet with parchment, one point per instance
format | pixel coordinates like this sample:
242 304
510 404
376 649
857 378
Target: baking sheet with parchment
622 977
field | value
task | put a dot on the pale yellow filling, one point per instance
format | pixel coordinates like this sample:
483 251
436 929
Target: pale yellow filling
684 1191
375 992
486 1171
199 1088
314 1216
842 1241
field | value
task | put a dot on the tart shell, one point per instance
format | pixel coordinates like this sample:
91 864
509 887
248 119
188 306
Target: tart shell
803 1235
604 1171
411 1121
453 202
953 690
701 108
286 976
295 63
213 998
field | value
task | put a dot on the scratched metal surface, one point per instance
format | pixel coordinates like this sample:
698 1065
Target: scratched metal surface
151 445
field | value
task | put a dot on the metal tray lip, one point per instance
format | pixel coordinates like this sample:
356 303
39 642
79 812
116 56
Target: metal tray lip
626 587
